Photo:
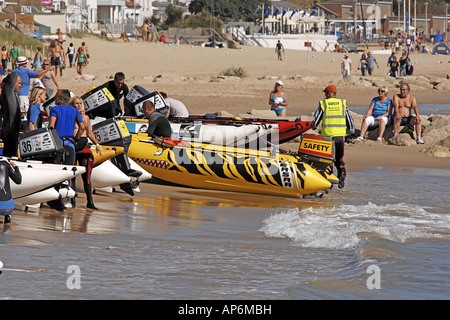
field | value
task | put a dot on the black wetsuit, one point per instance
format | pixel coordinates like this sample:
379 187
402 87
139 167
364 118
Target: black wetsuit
6 172
159 125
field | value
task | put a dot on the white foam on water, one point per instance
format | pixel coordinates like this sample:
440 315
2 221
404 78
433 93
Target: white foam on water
341 227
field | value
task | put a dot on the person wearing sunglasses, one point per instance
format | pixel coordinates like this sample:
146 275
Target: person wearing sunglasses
118 88
48 79
377 115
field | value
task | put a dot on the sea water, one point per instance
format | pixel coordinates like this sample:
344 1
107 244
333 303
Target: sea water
384 236
424 109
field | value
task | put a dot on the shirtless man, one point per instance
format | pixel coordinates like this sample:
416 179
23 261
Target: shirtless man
56 56
403 103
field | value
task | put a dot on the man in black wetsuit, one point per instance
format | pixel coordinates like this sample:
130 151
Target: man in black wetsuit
158 124
117 87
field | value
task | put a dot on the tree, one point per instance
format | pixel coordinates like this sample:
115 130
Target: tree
229 10
173 15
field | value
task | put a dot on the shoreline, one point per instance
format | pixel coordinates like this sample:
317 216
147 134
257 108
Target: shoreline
192 74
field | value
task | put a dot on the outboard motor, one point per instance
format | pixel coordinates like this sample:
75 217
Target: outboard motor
50 103
317 150
43 144
135 99
113 132
99 102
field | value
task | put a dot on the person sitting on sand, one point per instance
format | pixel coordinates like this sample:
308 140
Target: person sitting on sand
377 114
278 99
403 103
158 125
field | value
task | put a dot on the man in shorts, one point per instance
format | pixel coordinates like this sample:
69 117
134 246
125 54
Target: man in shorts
56 57
403 103
371 61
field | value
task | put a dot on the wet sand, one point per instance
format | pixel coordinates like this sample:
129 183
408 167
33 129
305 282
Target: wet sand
192 75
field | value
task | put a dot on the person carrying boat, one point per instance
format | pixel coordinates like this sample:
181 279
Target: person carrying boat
8 169
63 118
118 88
37 97
84 155
11 116
158 124
278 99
177 109
336 119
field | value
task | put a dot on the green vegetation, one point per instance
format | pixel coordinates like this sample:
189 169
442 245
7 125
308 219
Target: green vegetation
229 10
8 36
234 72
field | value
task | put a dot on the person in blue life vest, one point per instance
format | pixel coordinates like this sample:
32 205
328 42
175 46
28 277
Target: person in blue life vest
336 119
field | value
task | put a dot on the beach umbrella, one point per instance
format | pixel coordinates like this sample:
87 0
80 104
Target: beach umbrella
267 11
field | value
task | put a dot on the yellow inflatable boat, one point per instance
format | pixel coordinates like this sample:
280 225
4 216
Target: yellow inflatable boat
225 168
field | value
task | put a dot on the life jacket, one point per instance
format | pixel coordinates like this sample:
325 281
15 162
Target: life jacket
334 120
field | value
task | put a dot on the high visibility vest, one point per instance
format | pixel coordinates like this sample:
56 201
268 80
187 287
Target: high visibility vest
334 120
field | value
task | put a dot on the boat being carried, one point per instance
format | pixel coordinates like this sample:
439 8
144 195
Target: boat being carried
226 134
286 129
226 168
276 130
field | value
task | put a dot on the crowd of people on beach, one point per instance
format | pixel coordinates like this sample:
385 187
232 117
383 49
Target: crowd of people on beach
57 57
70 121
22 100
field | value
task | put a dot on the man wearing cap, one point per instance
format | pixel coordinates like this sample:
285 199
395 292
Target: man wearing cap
26 74
335 119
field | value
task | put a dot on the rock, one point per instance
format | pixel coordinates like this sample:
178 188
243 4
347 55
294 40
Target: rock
435 136
402 140
263 114
439 121
446 142
437 151
169 78
224 113
86 77
443 86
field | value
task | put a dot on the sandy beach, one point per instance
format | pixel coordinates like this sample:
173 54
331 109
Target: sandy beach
177 243
192 74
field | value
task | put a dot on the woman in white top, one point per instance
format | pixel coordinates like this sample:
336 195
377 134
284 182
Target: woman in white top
71 54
